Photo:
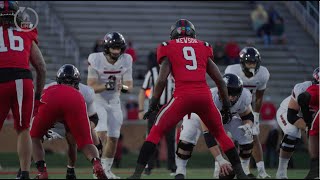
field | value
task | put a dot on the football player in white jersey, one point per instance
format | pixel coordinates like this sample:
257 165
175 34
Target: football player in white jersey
255 78
109 74
290 119
240 126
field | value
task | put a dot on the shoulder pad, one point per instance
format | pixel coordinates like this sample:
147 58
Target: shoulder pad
207 44
164 43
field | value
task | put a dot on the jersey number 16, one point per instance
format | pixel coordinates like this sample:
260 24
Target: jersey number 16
12 39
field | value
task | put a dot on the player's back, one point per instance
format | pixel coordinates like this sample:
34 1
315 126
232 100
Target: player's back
15 47
61 95
188 58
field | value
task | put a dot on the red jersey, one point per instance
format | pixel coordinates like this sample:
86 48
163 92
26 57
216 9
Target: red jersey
15 47
188 58
313 90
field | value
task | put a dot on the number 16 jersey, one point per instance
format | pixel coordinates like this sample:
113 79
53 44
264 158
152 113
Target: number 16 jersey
188 58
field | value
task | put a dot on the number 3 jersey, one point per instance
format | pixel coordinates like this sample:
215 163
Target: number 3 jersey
188 58
15 47
110 74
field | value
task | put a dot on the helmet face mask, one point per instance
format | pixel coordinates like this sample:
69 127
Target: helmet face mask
68 74
250 56
112 42
182 28
234 85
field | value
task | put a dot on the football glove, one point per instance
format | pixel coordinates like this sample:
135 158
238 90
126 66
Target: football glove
153 108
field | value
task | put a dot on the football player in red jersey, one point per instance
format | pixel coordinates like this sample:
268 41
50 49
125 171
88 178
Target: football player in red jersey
309 103
17 48
72 113
188 59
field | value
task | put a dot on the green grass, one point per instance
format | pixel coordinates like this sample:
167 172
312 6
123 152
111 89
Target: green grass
198 167
193 173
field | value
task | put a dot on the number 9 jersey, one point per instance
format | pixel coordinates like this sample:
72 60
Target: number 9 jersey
15 47
188 57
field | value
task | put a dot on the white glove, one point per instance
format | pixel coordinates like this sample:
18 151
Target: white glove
248 131
51 135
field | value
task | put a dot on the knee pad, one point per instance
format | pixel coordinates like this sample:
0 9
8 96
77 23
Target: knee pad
245 147
184 150
288 143
209 139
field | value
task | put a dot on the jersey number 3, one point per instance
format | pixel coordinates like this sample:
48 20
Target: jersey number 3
12 39
190 55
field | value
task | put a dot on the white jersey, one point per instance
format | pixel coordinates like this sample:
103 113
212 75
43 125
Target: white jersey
257 82
101 69
300 88
297 90
88 95
243 103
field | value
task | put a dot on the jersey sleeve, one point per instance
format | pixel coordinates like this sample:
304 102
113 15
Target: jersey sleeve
161 51
265 78
247 99
127 76
90 102
227 70
33 35
297 90
146 81
92 72
209 50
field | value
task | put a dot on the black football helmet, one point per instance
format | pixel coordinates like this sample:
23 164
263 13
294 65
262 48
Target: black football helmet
182 28
68 74
315 76
8 10
114 40
234 85
250 54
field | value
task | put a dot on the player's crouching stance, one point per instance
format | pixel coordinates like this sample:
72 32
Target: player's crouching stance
240 127
64 103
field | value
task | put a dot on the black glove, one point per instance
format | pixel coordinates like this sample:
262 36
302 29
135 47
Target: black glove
226 114
153 108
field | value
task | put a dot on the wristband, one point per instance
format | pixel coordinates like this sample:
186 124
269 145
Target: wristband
219 158
124 89
141 110
256 116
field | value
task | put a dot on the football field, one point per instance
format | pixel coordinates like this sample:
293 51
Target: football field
197 167
161 173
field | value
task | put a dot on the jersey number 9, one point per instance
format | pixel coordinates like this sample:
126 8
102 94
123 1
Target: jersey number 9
192 57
